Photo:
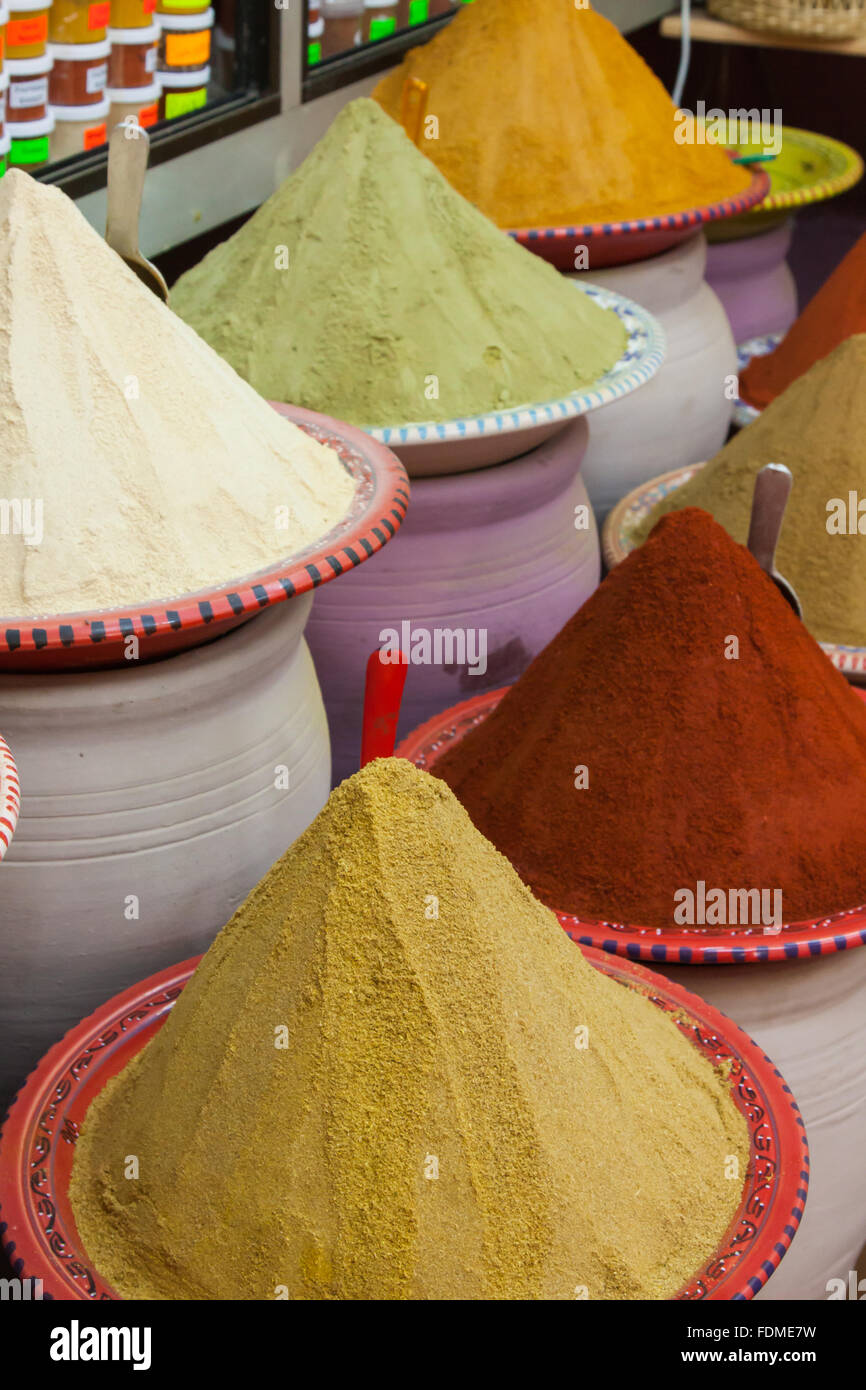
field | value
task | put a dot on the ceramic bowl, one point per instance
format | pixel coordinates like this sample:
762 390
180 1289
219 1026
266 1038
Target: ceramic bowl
615 243
79 640
480 441
39 1136
10 796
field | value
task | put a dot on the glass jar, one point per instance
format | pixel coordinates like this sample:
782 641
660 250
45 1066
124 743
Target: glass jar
27 30
80 73
185 42
134 56
78 21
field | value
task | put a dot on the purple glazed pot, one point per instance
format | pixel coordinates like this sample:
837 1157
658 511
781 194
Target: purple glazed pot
683 414
754 282
496 550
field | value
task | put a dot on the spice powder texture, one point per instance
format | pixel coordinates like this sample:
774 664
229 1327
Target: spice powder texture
430 1128
717 744
547 117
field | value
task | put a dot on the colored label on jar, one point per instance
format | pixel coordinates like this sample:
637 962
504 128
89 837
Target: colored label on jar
95 136
96 79
2 165
24 95
381 28
2 42
24 33
419 11
99 16
314 54
190 6
179 103
33 151
148 115
187 50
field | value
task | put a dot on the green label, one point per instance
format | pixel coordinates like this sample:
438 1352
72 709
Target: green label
381 28
191 5
33 151
314 54
418 11
2 165
179 103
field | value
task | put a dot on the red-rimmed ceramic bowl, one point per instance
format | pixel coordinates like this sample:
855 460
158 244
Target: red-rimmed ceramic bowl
39 1135
87 640
702 946
617 243
10 796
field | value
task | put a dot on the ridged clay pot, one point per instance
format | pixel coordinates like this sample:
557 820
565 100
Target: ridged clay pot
808 1015
157 785
495 549
683 413
753 280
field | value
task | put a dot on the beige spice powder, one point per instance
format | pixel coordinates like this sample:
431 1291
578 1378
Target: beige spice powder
158 471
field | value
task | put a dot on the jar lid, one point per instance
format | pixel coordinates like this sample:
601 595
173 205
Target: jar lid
177 79
30 67
135 36
134 96
25 6
187 23
5 143
28 130
315 29
4 80
380 4
97 111
79 52
4 14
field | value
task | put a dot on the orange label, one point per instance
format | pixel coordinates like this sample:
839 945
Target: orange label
149 6
99 16
187 50
2 42
21 33
148 115
95 136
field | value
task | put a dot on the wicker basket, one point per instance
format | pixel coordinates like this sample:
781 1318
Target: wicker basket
808 19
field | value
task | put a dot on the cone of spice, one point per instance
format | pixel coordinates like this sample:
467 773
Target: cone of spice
682 728
371 1089
817 427
383 281
836 312
545 115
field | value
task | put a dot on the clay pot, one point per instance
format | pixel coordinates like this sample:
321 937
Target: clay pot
495 550
152 804
808 1016
683 414
754 282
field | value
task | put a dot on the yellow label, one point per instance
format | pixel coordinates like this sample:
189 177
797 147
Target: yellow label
187 50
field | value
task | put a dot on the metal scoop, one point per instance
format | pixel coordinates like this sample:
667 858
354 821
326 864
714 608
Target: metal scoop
128 149
772 488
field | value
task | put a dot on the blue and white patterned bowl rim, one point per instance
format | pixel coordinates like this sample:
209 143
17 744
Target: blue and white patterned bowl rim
851 661
644 354
744 413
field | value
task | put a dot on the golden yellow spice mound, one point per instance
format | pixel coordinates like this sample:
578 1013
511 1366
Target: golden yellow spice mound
547 116
375 1086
